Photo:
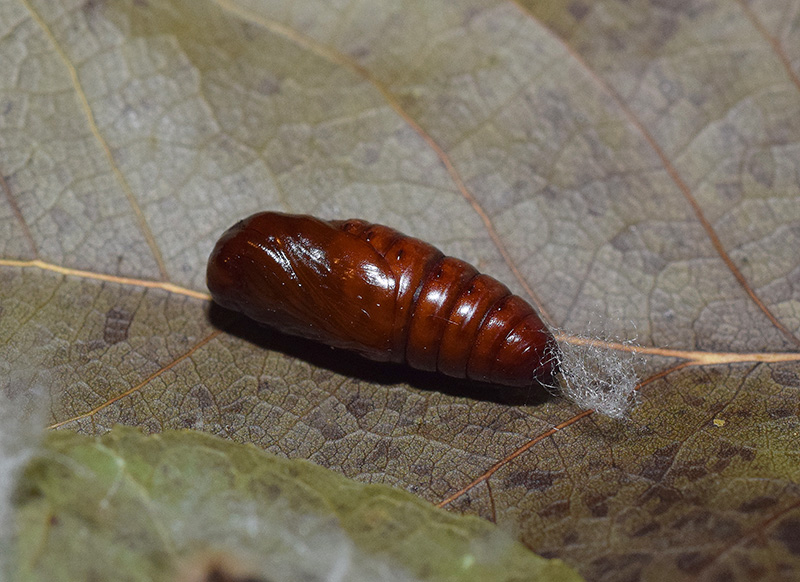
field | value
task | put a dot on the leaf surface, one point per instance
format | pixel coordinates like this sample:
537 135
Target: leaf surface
629 167
135 507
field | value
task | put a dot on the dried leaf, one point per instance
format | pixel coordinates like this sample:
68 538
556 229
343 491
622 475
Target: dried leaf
631 167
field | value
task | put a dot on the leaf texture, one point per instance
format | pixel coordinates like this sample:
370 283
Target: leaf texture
132 507
630 167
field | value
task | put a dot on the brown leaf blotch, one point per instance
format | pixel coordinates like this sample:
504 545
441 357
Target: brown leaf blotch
325 422
332 432
691 471
533 480
781 412
189 420
396 401
359 406
421 469
263 389
656 466
693 562
384 450
788 533
203 396
622 567
597 503
556 510
646 529
268 85
728 451
757 504
570 538
118 321
578 10
701 523
666 496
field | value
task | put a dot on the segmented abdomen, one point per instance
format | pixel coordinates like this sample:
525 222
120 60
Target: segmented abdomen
452 319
